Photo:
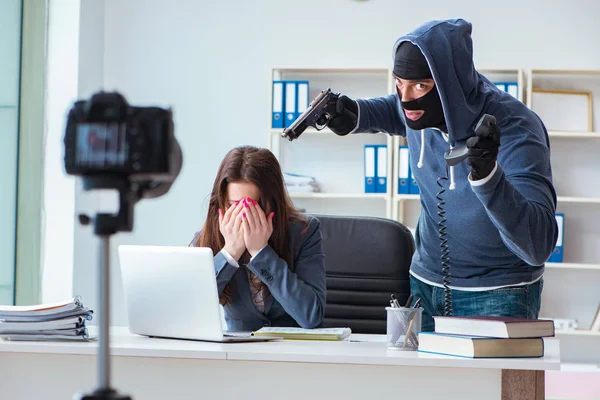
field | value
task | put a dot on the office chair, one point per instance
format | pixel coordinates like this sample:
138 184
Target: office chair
366 260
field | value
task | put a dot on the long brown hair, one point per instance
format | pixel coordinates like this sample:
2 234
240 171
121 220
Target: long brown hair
260 167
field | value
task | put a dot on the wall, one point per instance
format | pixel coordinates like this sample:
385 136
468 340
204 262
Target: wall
210 61
59 195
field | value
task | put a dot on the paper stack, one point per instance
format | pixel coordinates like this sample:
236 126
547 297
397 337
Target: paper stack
300 183
52 321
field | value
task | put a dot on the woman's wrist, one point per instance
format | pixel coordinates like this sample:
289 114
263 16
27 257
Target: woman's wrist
254 253
233 253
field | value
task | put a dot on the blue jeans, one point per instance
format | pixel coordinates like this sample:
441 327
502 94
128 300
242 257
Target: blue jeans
517 301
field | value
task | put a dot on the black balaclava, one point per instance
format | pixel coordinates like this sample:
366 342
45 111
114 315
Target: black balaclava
410 64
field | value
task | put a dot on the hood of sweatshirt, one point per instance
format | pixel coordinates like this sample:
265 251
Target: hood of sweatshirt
448 49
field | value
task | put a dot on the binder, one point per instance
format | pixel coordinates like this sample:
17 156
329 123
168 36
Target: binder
557 254
512 89
501 86
290 103
413 187
403 170
302 100
381 173
278 104
370 163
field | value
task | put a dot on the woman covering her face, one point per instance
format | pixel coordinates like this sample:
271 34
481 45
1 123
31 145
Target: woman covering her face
269 261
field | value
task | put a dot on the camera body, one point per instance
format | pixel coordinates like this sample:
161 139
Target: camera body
106 136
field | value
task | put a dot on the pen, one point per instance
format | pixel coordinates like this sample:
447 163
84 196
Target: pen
409 330
394 302
407 305
417 303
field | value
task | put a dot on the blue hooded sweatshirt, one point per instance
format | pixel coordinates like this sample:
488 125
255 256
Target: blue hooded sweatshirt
501 229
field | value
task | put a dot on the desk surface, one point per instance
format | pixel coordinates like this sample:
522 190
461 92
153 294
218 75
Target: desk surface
359 349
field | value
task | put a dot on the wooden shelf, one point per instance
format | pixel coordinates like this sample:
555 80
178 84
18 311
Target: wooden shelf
573 135
317 195
572 266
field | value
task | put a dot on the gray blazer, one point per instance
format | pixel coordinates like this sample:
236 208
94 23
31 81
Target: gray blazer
298 296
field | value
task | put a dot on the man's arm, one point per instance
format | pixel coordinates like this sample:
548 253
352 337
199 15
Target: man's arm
520 199
380 114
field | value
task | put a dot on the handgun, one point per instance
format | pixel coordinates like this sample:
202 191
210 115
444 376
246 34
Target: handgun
313 116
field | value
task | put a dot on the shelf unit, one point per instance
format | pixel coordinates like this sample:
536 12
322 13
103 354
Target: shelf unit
340 176
571 288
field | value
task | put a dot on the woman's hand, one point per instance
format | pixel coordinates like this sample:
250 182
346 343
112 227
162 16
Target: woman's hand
256 226
230 226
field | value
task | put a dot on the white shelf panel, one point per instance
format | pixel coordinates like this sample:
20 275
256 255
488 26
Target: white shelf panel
579 367
381 196
313 132
573 135
565 72
402 197
332 70
573 266
570 199
577 332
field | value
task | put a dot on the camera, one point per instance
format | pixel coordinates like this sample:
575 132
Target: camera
113 145
107 136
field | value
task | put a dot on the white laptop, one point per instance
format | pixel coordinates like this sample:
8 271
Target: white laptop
171 292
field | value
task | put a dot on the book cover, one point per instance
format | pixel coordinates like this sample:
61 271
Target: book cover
480 347
499 327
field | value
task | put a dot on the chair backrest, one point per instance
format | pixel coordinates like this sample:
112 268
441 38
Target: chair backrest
367 259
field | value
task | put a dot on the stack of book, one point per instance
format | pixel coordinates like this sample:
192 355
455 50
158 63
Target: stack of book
55 321
487 337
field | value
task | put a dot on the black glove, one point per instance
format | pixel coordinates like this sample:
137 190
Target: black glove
344 115
483 152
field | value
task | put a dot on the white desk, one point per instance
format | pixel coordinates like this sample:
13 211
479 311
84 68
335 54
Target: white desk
361 368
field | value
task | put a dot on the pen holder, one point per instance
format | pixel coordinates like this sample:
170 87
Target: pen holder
403 325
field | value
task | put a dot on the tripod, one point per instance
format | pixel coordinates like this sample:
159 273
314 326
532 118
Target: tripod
106 225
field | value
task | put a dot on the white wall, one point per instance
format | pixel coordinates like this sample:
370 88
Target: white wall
59 194
210 61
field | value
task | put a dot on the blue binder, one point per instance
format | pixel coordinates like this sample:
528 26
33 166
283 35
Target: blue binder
290 102
511 88
382 164
302 100
501 86
557 254
278 104
413 187
370 160
403 170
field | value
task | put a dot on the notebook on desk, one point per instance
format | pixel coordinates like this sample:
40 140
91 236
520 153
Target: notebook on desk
304 334
171 292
